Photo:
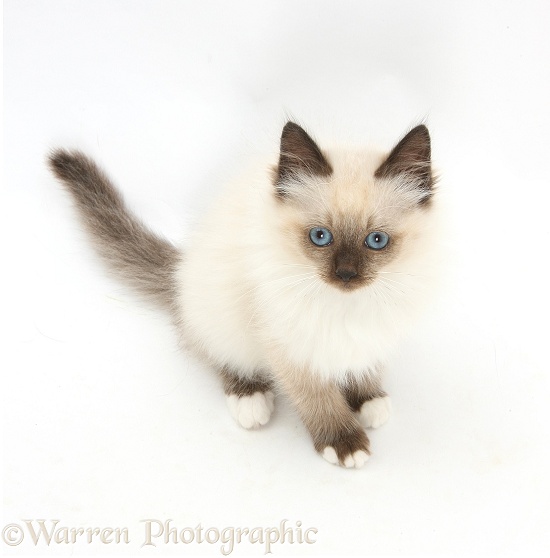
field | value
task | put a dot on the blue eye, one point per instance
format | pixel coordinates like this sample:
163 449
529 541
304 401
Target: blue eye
320 236
377 240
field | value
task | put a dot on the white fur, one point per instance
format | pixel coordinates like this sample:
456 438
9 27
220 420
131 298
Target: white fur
251 411
247 288
329 453
357 459
376 412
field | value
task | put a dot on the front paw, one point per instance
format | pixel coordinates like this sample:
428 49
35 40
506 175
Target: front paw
251 411
348 449
375 412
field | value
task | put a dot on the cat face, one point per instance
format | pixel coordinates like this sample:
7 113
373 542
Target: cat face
353 214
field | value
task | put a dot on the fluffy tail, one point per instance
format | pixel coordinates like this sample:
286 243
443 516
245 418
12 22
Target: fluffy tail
133 252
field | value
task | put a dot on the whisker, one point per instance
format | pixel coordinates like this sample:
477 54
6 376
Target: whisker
401 273
380 294
396 282
300 265
392 288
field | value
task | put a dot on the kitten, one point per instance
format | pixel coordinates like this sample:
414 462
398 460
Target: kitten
300 278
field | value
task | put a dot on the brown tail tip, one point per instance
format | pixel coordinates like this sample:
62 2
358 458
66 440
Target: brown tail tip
68 164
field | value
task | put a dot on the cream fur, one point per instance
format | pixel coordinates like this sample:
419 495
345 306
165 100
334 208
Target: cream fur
357 459
247 289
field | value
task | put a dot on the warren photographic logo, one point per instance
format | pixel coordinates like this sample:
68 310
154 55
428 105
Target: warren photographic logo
157 533
42 531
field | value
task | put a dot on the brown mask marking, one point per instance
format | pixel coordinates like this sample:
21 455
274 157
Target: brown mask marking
348 263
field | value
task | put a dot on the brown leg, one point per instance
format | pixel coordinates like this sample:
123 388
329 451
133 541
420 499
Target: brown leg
335 430
250 398
366 397
357 391
244 385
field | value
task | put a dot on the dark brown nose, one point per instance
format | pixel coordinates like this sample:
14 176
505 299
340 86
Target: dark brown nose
346 273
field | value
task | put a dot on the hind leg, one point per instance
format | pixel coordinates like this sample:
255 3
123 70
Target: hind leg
249 398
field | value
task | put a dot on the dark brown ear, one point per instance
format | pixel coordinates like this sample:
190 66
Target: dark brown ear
411 157
299 155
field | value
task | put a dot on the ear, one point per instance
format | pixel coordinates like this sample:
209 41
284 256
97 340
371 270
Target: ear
411 158
299 155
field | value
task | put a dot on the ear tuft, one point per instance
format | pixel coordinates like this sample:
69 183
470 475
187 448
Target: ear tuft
299 154
411 158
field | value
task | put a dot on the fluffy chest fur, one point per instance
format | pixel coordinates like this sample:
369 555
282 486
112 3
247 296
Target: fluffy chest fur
251 280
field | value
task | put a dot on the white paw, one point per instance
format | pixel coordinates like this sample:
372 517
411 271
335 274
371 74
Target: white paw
251 411
376 412
357 459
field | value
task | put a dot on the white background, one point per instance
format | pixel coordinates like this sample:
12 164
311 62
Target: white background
107 423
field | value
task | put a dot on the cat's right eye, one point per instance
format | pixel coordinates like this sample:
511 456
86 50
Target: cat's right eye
320 236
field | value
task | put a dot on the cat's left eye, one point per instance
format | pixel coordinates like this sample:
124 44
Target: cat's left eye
377 240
